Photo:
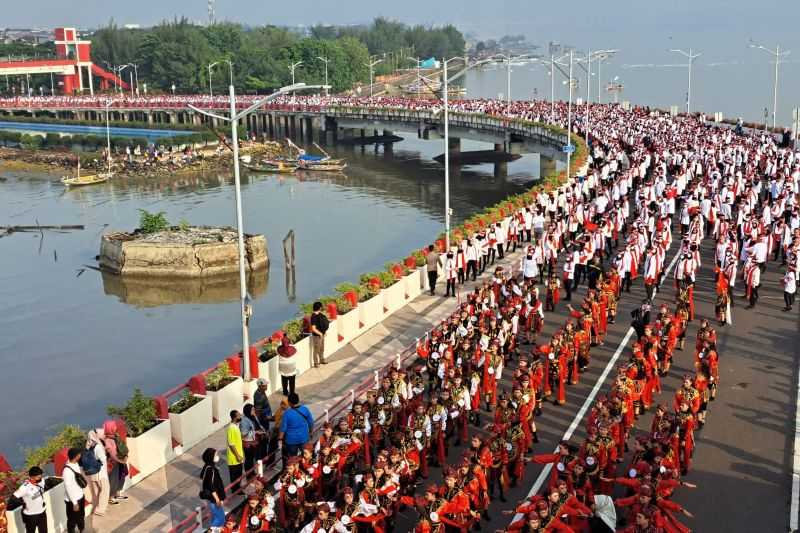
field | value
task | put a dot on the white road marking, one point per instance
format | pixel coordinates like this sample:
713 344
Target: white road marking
545 473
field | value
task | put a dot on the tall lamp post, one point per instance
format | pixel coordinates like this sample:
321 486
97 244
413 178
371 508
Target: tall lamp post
371 66
246 310
691 56
601 56
445 99
214 64
325 60
778 54
508 59
293 67
419 75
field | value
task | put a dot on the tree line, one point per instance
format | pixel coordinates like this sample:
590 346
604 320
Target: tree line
178 52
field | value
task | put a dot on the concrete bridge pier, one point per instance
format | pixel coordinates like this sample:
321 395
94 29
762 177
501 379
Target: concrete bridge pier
388 147
501 169
547 166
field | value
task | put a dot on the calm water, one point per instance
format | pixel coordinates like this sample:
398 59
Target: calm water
73 341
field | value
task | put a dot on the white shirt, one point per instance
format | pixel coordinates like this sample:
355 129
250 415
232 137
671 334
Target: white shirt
33 496
73 493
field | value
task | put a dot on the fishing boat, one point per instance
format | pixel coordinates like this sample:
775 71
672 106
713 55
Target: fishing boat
273 166
313 162
87 179
93 179
323 167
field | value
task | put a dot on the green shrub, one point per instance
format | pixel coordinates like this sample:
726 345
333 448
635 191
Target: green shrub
152 222
293 329
139 413
219 377
67 437
31 142
52 139
187 400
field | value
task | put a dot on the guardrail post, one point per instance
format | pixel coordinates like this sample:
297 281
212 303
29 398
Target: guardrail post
399 365
352 396
327 416
199 516
260 468
377 380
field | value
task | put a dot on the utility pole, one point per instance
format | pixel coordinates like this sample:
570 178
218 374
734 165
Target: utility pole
691 56
778 54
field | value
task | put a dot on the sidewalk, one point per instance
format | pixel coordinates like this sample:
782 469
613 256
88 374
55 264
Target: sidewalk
170 494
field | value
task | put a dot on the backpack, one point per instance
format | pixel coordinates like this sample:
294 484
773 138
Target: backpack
324 323
89 462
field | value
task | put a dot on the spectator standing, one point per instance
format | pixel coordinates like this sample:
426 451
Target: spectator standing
432 267
74 499
287 367
275 433
253 434
117 457
319 326
93 462
213 489
296 425
263 413
235 447
31 492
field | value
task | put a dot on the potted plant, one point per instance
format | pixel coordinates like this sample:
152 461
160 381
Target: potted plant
330 307
370 301
392 288
293 329
419 256
413 278
149 439
268 363
226 392
347 321
191 418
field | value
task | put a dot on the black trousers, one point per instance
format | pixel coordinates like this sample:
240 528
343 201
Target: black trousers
287 384
76 520
568 288
451 287
35 522
472 266
235 472
788 298
432 280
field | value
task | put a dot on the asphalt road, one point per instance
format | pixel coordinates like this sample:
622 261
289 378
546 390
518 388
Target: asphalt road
743 458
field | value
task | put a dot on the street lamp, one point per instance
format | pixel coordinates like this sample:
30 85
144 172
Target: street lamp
372 73
508 59
173 89
590 56
293 67
211 66
601 56
447 141
691 56
246 310
419 75
326 61
778 55
123 67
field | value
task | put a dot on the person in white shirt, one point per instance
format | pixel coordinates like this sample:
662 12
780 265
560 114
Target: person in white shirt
73 492
31 492
99 486
529 266
789 288
451 273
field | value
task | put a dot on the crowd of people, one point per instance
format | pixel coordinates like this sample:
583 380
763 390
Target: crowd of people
656 186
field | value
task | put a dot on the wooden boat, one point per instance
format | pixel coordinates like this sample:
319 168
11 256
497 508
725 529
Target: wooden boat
280 167
323 167
88 179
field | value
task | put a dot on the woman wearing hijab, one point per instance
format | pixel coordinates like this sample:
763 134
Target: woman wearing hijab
213 489
99 488
252 435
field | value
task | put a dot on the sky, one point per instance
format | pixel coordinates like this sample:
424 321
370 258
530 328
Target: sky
642 31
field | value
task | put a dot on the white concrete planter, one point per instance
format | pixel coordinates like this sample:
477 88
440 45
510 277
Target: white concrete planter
225 400
413 284
303 355
249 389
394 297
370 312
269 371
56 509
14 519
194 424
423 278
151 450
332 343
347 324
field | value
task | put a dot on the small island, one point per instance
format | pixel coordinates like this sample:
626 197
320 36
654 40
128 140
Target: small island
158 250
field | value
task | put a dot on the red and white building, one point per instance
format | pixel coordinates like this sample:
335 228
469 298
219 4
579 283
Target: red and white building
73 65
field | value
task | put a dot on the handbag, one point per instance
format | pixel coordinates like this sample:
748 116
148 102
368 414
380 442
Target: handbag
79 479
207 494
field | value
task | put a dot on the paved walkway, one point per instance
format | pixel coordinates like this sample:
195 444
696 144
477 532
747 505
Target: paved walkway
167 496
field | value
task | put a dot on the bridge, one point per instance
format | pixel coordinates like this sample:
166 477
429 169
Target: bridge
308 121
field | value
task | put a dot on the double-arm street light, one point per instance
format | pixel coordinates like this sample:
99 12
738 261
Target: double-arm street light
371 66
691 56
508 59
600 56
586 64
778 54
418 61
293 68
246 310
214 64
